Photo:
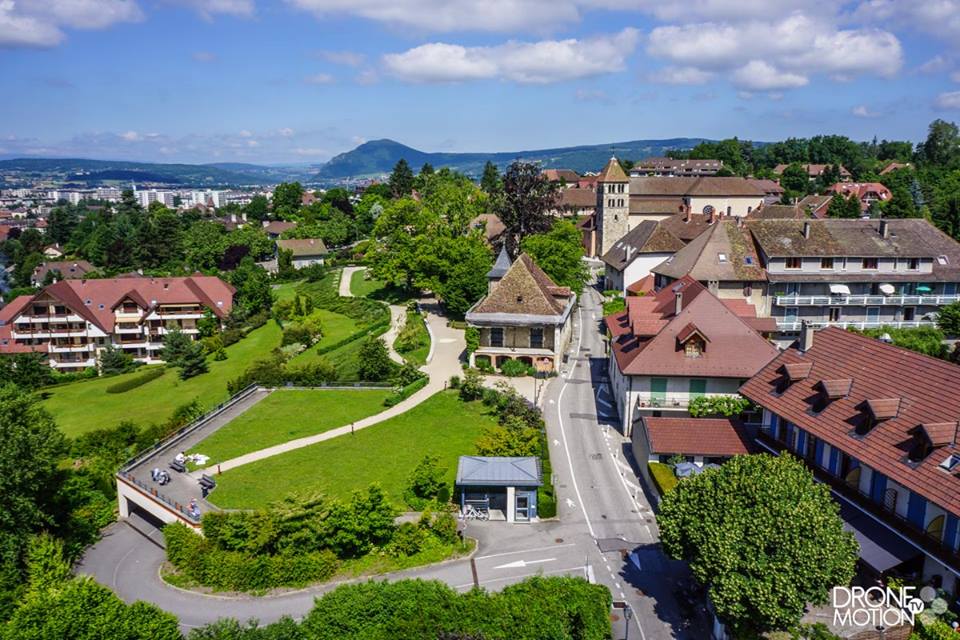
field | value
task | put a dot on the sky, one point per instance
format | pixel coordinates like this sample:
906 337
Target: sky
298 81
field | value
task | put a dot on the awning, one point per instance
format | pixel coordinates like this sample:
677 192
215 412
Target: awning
924 288
880 548
839 289
887 289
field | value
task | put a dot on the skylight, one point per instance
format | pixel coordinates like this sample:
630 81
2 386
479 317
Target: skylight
942 259
748 260
951 463
722 257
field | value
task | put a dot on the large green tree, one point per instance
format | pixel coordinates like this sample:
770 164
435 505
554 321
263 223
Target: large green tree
401 179
559 252
762 536
287 197
524 203
490 181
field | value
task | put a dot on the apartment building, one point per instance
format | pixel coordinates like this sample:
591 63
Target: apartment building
524 316
669 167
679 344
878 424
72 320
856 273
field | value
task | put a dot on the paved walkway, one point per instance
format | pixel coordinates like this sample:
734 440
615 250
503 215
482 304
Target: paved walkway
449 345
398 313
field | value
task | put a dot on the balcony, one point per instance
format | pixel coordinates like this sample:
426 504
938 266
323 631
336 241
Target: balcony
796 325
71 348
74 364
679 401
863 300
932 545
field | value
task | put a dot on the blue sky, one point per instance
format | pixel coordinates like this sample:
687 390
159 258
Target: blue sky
274 81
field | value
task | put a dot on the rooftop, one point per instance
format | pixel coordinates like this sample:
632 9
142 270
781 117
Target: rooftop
724 251
524 290
480 471
646 237
697 436
303 247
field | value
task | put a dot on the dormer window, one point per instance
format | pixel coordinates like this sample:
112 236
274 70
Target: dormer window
876 411
931 436
831 390
692 341
792 372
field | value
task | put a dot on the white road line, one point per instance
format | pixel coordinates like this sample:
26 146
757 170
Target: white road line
535 550
521 577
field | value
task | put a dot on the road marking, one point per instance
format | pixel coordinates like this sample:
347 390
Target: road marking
556 442
520 564
534 550
571 504
521 577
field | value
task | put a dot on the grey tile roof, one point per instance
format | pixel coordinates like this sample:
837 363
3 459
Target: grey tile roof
501 266
723 252
480 471
646 237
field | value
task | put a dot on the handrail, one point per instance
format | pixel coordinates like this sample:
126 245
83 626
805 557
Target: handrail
155 494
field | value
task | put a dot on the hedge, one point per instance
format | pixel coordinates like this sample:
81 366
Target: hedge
137 381
663 476
406 392
196 558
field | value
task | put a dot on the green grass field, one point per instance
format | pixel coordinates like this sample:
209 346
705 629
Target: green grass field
385 453
287 415
375 289
286 290
84 406
416 324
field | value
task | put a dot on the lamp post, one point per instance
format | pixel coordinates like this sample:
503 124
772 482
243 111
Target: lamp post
627 614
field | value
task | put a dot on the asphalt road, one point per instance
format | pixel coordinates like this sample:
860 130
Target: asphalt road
606 531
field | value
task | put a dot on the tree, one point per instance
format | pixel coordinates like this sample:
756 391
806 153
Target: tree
942 146
176 346
401 179
559 253
258 209
115 360
795 180
426 482
843 206
193 362
524 203
490 182
203 245
948 319
374 360
762 536
158 238
61 223
901 205
252 283
426 169
287 197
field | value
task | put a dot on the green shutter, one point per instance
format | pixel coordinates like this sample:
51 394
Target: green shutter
658 389
698 388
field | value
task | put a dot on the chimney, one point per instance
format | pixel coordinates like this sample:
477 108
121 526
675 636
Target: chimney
678 303
806 336
806 229
884 229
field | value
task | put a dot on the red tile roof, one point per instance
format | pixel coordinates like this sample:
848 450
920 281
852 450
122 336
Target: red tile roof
642 286
648 333
926 387
697 436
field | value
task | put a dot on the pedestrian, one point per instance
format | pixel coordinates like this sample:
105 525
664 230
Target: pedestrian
155 473
181 457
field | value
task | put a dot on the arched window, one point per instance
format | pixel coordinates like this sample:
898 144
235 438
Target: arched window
707 210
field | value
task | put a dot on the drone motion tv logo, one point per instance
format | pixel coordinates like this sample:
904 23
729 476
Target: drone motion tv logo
879 606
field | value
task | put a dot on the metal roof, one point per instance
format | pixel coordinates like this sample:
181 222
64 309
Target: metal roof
501 266
480 471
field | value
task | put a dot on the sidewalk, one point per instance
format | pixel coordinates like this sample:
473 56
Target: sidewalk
398 313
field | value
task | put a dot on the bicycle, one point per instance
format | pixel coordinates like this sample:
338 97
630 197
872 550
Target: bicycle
471 513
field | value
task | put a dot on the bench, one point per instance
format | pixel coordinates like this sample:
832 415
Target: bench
179 467
207 485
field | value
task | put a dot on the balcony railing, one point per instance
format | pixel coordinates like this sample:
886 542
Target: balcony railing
665 401
930 543
796 325
863 300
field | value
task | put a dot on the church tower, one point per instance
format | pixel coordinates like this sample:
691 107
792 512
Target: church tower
613 205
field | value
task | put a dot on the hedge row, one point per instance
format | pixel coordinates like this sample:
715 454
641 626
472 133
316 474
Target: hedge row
406 392
195 557
376 329
136 381
663 477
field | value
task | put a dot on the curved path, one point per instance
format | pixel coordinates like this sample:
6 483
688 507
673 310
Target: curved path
398 313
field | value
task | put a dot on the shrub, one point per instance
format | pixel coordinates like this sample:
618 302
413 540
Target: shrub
425 482
408 540
483 364
729 406
546 501
375 363
406 392
663 477
472 386
297 334
472 336
454 382
513 368
136 381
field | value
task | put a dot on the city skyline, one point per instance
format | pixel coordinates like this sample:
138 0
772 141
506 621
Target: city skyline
300 81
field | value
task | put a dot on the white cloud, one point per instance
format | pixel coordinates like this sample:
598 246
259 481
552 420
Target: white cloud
210 8
526 62
204 56
723 10
245 134
681 75
367 77
940 18
863 111
758 75
936 64
948 101
319 78
285 132
346 58
452 15
130 136
37 23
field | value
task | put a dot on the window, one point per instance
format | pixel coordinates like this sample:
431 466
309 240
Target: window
834 314
909 313
536 337
496 337
747 291
826 263
913 264
794 263
869 264
693 348
722 257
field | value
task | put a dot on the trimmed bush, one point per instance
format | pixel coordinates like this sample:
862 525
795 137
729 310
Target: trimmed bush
546 502
663 477
406 392
136 381
513 368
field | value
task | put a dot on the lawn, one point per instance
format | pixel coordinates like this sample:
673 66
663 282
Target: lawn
385 453
336 327
375 289
414 333
286 290
84 406
286 415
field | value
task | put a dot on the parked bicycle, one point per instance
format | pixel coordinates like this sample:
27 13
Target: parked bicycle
472 513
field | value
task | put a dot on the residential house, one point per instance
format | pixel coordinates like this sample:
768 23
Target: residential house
565 177
669 167
701 441
855 273
577 201
632 256
679 344
52 251
524 316
816 205
61 270
866 192
275 228
895 166
72 320
306 251
493 228
878 424
814 171
772 190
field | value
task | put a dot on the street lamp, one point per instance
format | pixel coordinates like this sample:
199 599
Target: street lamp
627 614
